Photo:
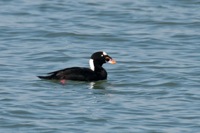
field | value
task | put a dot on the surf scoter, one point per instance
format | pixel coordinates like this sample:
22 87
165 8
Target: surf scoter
94 73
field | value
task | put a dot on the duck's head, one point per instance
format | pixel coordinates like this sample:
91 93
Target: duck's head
99 58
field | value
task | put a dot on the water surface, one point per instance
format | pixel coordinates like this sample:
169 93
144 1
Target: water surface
154 87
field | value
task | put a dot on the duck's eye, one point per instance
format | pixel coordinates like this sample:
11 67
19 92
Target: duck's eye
107 58
102 55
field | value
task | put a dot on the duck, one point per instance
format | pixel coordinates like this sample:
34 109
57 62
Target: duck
95 73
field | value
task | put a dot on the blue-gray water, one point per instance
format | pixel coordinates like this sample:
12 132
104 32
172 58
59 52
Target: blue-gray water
153 88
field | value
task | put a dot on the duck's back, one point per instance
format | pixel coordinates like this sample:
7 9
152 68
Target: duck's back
73 73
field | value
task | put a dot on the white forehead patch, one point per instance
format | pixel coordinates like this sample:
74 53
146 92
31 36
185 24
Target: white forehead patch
104 53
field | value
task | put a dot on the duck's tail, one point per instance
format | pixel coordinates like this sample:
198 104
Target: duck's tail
45 77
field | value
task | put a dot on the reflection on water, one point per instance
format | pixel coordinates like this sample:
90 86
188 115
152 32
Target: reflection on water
91 85
99 84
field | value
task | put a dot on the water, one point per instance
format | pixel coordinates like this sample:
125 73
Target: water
153 88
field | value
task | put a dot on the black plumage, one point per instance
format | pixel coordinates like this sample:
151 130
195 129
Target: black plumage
94 73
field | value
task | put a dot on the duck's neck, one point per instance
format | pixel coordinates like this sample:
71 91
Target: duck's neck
95 66
98 69
91 63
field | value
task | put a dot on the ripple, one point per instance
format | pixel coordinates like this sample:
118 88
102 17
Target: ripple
153 87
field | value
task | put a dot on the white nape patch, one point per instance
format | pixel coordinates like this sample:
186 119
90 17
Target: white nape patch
104 53
91 62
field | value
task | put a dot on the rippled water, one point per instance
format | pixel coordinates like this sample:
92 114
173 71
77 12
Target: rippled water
153 88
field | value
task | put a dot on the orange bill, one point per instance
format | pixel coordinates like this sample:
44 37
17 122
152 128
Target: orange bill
112 61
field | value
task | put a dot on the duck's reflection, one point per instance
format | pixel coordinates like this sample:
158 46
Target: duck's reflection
98 85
